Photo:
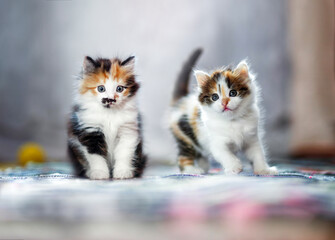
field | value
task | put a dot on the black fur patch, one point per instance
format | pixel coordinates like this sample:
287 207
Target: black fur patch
185 126
228 82
139 159
181 87
125 62
94 142
92 139
104 63
132 85
216 76
98 63
186 150
78 159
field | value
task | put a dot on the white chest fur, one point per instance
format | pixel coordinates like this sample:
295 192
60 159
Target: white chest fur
109 120
228 132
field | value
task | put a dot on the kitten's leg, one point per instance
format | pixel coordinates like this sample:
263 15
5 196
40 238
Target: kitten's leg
204 164
139 160
255 153
77 157
93 146
187 166
97 167
186 157
124 153
227 159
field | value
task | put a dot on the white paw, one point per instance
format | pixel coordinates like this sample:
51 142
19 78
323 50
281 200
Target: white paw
123 173
234 169
193 170
98 174
267 171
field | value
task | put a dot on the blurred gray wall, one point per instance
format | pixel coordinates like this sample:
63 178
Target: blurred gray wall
43 44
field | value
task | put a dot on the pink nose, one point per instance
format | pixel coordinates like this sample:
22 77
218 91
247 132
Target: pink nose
225 101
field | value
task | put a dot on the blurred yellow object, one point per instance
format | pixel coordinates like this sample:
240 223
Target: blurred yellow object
31 152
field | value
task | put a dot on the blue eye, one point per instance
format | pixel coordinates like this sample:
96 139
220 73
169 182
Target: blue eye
119 89
232 93
215 97
101 88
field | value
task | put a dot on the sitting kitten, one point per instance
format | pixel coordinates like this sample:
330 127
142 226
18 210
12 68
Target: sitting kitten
104 132
220 119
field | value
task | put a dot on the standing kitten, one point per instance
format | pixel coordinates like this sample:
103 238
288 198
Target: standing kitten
220 119
104 134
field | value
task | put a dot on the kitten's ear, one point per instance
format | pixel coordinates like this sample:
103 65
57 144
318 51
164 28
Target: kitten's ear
129 63
242 69
89 64
201 76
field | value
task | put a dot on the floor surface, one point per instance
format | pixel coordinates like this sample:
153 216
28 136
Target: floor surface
47 202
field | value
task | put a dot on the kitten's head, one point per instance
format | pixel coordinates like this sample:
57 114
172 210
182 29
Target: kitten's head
228 92
109 82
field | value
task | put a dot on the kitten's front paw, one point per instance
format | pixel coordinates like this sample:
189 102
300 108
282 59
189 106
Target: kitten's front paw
192 170
233 170
267 171
123 173
98 175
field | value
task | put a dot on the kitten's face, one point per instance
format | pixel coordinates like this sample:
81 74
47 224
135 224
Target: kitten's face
225 91
110 82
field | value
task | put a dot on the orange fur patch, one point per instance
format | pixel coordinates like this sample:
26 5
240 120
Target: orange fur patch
193 121
185 161
119 73
92 81
126 92
223 91
225 101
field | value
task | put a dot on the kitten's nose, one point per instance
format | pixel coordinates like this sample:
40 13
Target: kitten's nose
108 100
225 101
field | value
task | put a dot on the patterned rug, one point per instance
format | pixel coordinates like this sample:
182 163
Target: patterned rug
166 202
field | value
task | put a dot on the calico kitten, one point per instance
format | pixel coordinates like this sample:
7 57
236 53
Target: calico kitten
220 119
104 130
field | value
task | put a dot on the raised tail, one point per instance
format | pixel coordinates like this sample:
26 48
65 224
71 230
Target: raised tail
181 86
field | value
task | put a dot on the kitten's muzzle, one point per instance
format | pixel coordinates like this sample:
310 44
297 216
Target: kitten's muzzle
108 100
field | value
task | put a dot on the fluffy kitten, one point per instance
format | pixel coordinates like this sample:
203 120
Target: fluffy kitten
220 119
104 130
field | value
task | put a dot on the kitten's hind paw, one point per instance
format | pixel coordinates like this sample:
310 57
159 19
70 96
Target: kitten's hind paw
234 169
267 171
193 170
98 175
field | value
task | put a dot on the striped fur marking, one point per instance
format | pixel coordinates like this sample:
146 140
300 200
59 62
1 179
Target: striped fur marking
185 161
187 129
194 121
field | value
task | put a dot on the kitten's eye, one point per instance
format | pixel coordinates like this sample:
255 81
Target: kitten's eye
101 88
232 93
215 97
119 88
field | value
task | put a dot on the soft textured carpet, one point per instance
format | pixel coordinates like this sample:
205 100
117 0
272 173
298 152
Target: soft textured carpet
47 201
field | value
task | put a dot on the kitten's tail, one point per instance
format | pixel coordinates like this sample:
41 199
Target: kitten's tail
181 87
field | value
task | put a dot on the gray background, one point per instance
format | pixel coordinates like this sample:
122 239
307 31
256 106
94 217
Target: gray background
43 44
